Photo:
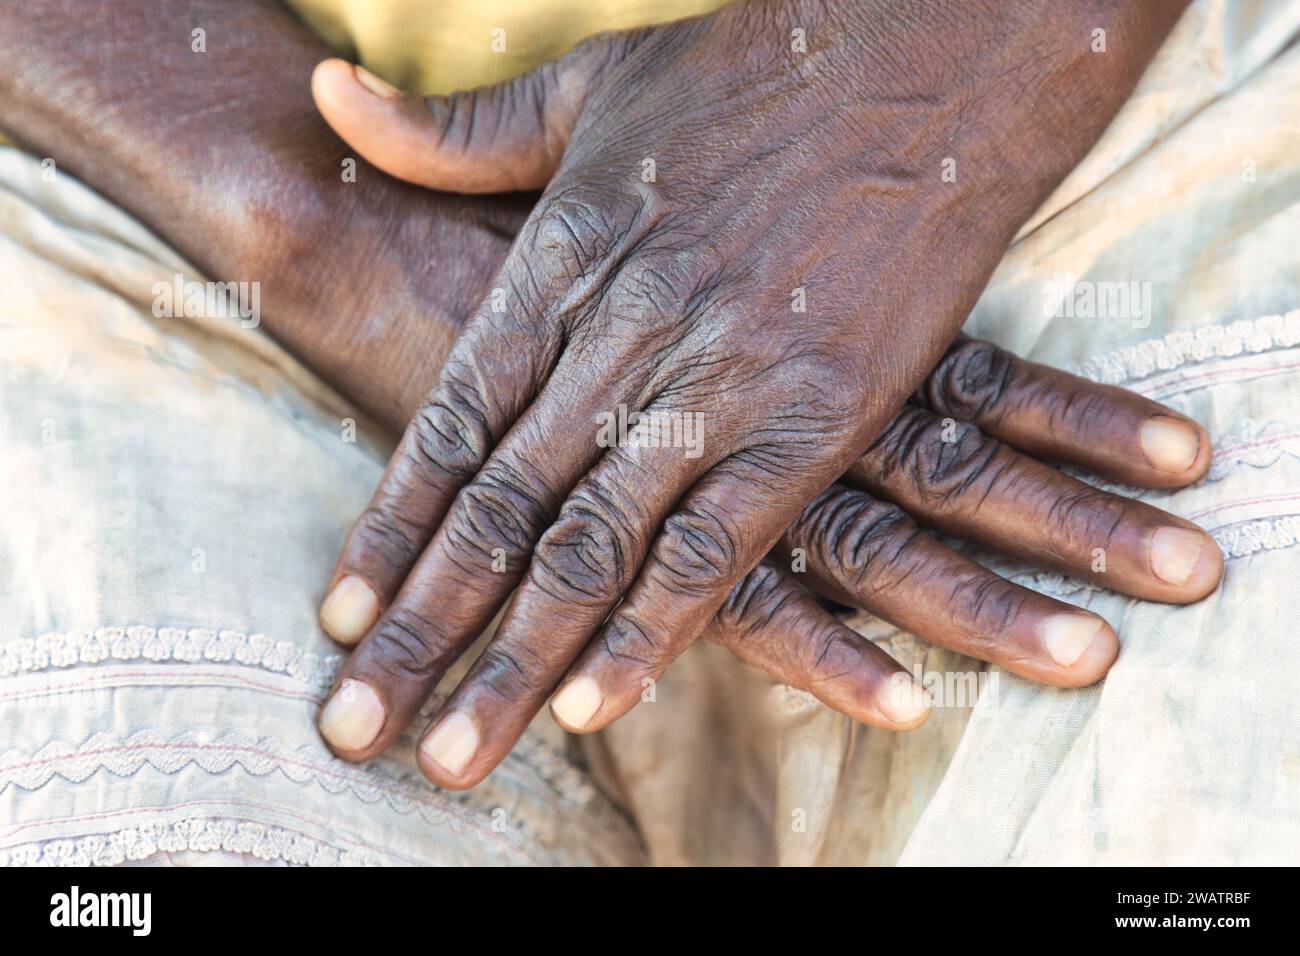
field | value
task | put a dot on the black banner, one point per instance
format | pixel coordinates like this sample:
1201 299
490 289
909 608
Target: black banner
940 907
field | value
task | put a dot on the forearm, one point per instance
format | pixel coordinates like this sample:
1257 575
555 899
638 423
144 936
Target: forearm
969 115
224 154
1013 92
184 139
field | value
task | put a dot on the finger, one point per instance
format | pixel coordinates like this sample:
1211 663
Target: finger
508 349
472 562
581 566
769 622
443 448
705 547
502 504
1050 414
493 139
952 477
870 554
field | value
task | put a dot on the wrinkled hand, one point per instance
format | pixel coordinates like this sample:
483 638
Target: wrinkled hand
728 235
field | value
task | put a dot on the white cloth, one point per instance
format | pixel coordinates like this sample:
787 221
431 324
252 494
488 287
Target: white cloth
175 491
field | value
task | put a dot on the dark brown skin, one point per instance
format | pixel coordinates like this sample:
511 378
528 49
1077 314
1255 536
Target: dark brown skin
384 341
224 155
774 172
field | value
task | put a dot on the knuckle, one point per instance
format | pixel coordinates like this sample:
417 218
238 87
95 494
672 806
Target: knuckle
1072 411
408 645
970 379
990 606
941 461
858 539
582 558
383 533
1084 519
497 512
631 644
697 550
511 673
831 654
662 287
752 603
450 433
455 115
578 230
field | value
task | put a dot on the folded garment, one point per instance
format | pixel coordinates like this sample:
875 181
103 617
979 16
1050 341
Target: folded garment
177 488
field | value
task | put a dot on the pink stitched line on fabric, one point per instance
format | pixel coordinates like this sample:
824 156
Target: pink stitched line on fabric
330 825
1288 436
451 805
1156 388
195 746
96 678
1264 499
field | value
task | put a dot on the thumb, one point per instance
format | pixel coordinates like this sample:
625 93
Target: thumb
493 139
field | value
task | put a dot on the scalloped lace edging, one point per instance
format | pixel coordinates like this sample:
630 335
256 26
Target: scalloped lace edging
1253 443
404 793
258 757
316 672
1243 540
1196 345
264 843
158 645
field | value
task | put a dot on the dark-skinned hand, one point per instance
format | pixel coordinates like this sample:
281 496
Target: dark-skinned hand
733 232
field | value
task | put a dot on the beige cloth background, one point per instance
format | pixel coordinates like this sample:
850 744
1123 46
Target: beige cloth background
160 667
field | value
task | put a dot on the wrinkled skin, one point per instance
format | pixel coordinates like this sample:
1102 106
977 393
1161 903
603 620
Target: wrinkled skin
775 177
224 155
383 341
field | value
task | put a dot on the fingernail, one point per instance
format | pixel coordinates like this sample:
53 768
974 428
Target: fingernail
1169 444
452 743
1067 636
1174 553
351 719
906 701
350 610
374 84
577 702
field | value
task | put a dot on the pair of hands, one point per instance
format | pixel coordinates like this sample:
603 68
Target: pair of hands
402 311
700 180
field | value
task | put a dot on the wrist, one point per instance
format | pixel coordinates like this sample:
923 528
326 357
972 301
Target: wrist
994 100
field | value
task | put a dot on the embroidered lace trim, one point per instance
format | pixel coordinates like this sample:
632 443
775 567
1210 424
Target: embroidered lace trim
193 835
135 643
1196 345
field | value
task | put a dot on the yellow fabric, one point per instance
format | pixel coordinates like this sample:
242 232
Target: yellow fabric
437 47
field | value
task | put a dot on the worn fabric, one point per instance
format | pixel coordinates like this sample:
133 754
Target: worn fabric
177 490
